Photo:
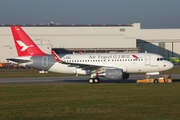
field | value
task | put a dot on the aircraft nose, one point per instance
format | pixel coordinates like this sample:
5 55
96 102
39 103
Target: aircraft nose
170 65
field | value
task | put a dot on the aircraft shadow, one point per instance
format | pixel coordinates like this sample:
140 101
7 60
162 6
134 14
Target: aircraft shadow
101 81
106 81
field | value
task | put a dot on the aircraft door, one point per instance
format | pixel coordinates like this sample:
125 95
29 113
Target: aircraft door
147 60
45 61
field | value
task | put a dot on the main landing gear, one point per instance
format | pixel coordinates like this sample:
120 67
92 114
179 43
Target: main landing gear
94 80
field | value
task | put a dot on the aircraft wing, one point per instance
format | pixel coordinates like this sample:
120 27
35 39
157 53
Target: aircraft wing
87 66
93 68
18 60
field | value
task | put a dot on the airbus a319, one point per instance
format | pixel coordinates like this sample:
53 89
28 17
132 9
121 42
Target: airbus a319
111 66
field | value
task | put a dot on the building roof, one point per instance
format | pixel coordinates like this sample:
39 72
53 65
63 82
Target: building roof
70 25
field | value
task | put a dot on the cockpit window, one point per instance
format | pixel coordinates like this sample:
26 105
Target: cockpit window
160 59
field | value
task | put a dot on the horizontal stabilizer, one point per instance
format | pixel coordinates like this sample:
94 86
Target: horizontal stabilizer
19 60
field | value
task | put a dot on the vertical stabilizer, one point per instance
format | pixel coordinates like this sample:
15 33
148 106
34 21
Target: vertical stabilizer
24 44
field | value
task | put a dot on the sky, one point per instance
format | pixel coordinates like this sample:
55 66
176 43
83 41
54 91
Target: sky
149 13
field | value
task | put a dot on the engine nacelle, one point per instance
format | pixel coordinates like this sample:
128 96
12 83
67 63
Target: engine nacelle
114 74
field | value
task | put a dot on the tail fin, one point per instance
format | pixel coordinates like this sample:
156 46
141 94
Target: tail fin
24 44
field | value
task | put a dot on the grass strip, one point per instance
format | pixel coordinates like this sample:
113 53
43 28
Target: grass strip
85 101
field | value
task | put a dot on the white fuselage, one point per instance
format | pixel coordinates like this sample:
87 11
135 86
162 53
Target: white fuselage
142 63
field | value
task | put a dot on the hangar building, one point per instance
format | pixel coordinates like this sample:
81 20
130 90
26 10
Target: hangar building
95 38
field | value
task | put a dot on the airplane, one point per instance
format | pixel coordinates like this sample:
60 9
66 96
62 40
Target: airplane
108 65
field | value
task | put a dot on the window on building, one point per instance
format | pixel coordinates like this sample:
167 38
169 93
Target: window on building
122 30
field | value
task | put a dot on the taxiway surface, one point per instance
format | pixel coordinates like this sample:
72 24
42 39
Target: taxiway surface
74 79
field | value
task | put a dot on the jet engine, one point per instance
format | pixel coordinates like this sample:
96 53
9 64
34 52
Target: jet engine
114 74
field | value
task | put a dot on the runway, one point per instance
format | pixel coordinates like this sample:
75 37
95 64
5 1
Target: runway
75 80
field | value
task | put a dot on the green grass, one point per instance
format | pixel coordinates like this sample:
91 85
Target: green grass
18 73
90 102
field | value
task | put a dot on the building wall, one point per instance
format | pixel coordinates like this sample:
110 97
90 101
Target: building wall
47 37
161 41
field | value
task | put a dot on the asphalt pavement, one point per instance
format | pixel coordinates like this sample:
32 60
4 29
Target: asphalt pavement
75 80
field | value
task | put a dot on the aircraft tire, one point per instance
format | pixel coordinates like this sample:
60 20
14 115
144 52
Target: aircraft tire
156 81
91 80
96 80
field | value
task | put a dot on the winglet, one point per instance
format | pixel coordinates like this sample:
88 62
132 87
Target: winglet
57 58
24 44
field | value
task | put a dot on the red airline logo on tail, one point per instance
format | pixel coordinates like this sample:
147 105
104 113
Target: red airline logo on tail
24 44
24 47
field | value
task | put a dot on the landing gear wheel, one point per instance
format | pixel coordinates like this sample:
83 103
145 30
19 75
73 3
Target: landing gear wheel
96 80
91 81
156 81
